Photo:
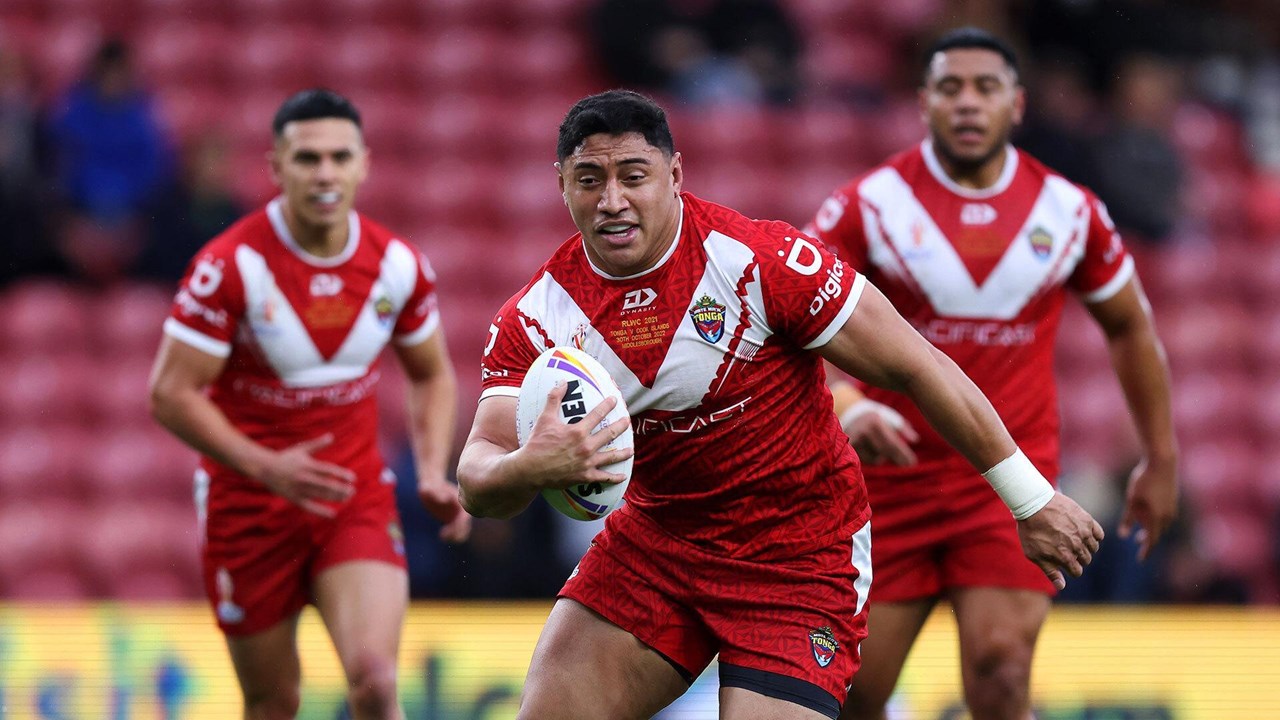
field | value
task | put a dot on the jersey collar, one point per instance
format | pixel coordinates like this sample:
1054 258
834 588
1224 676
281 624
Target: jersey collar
661 261
1001 184
275 213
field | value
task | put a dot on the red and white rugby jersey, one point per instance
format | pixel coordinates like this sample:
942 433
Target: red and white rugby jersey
982 274
300 333
737 448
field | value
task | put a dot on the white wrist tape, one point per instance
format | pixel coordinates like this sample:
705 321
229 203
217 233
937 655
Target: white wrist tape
1020 485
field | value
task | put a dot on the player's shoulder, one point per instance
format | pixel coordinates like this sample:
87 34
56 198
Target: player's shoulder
724 231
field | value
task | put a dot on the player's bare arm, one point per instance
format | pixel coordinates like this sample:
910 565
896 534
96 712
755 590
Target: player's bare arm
433 404
877 432
878 346
499 478
178 402
1151 501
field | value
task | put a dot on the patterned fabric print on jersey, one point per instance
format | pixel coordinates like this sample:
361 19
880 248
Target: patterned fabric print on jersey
995 316
707 415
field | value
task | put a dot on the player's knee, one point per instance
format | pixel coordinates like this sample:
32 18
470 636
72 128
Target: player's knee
1000 674
372 687
277 703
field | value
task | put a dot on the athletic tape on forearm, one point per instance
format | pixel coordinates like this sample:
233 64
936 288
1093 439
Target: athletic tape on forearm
1020 485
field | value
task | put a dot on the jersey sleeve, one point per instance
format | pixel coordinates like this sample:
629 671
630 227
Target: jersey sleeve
838 224
1107 266
514 342
808 291
421 314
209 302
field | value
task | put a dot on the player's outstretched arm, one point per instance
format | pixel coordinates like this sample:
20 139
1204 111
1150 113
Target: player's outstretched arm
1138 359
878 346
433 410
177 399
499 478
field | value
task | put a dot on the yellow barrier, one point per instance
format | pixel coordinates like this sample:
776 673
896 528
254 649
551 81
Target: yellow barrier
468 660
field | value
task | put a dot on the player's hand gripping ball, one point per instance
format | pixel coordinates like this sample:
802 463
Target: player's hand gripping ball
587 385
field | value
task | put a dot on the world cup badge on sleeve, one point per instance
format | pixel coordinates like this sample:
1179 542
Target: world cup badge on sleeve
824 644
1041 242
708 318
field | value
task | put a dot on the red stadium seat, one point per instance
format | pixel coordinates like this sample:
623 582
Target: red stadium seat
44 317
137 464
156 585
190 110
127 321
823 135
466 60
1263 204
116 394
390 14
1207 137
63 51
546 60
1203 335
40 463
35 537
727 135
278 57
364 57
48 585
126 538
848 67
46 389
184 53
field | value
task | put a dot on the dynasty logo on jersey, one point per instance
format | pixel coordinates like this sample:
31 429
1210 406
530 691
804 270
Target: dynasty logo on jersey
708 318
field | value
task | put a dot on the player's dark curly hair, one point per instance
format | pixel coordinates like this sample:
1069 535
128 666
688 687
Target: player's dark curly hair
614 112
314 104
971 37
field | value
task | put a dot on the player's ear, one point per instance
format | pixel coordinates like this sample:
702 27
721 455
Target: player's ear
273 160
1019 104
564 194
677 172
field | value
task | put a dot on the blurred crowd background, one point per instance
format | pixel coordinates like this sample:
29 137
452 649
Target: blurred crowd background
132 131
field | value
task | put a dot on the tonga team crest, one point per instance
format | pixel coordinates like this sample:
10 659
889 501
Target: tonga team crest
708 318
824 644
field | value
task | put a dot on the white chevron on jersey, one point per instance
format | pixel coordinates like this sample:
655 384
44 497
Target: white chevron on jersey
284 341
691 363
908 243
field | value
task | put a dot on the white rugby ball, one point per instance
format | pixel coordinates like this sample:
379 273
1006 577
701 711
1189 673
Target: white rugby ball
587 385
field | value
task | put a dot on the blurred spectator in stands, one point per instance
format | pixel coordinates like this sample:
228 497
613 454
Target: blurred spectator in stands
698 76
192 210
24 246
112 161
701 51
1139 172
1061 116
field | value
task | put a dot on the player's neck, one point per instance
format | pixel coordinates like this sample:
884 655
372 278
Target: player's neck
974 176
322 241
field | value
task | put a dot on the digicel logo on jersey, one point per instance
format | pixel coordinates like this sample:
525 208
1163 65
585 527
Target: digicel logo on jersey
805 259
